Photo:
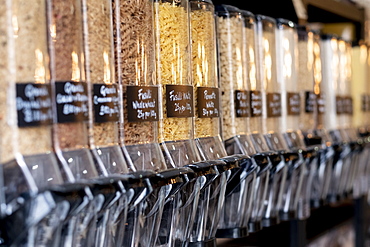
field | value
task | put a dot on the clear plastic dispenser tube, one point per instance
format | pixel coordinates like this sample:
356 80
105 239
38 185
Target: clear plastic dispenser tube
28 165
270 118
348 133
134 43
319 135
233 86
176 118
240 182
263 155
330 86
299 180
359 97
104 115
71 102
207 124
315 159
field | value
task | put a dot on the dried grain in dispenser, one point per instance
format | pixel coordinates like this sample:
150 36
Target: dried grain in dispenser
306 79
70 90
233 86
100 74
27 116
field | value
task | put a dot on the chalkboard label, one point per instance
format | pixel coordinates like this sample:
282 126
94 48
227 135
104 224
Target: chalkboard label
33 104
339 102
309 102
72 101
273 104
142 103
179 101
347 105
321 103
106 103
293 104
242 107
364 103
255 103
208 102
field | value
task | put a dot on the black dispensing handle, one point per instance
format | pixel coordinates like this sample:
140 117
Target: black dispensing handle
76 194
312 140
241 174
177 177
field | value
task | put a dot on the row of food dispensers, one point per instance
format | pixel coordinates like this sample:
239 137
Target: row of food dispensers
172 122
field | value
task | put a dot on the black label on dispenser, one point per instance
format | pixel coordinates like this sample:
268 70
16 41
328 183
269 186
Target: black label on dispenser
364 103
255 103
33 104
273 104
208 102
142 103
347 105
242 106
339 103
321 103
179 101
72 101
293 104
106 103
309 102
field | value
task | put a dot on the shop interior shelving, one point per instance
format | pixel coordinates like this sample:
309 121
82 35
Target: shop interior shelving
318 11
355 211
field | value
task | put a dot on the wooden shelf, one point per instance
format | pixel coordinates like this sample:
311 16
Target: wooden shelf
345 10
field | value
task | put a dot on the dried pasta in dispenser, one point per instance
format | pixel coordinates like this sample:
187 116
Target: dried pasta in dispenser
233 86
176 123
135 67
206 86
